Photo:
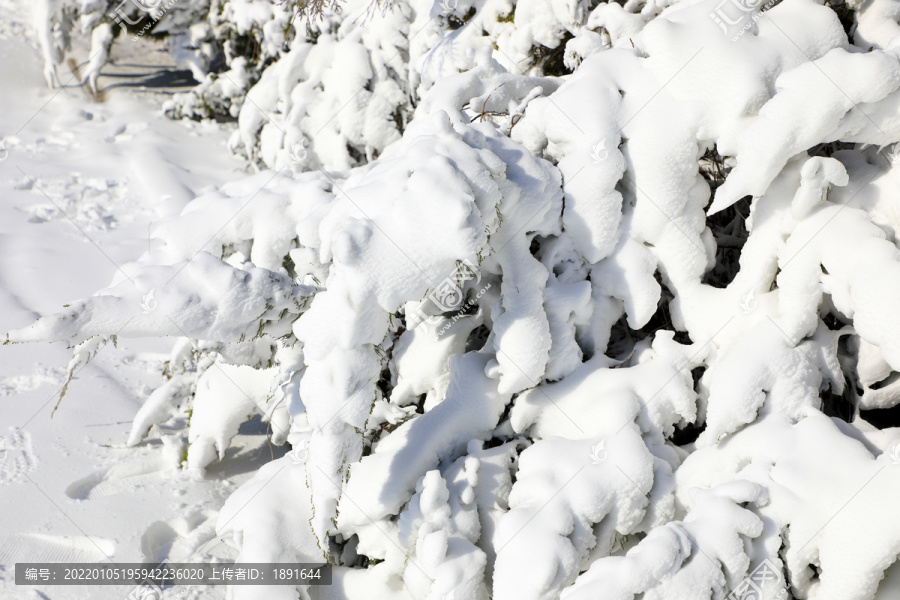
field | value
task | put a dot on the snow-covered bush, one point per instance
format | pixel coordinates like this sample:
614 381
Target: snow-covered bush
612 334
56 22
332 84
334 90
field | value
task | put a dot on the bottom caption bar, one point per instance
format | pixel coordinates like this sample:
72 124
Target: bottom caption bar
166 574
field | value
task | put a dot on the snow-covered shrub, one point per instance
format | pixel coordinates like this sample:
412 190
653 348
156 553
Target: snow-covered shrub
332 84
102 21
336 90
606 335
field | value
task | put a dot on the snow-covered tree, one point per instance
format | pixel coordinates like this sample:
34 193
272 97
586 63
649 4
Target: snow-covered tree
552 299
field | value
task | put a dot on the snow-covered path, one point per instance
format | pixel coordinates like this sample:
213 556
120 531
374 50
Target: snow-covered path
80 183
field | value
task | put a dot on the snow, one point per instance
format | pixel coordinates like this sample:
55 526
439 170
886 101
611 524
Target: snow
70 492
528 300
804 499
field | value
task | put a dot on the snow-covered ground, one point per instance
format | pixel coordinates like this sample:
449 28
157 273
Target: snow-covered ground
80 183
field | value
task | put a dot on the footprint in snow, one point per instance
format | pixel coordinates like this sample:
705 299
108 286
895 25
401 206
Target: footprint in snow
16 457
